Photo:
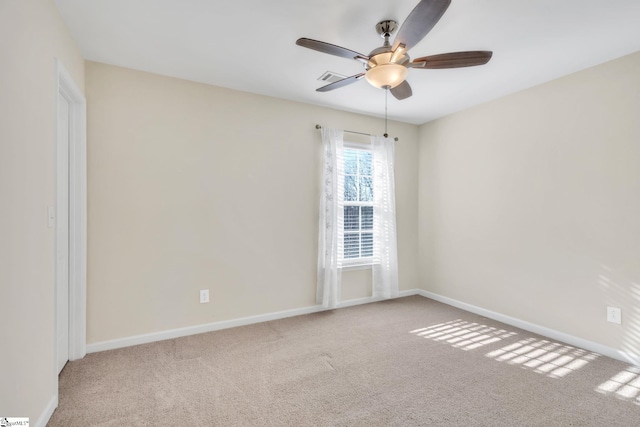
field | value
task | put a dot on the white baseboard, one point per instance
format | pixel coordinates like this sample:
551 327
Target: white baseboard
225 324
537 329
199 329
367 300
47 412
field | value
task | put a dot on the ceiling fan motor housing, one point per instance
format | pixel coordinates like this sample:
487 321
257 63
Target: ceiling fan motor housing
386 68
383 54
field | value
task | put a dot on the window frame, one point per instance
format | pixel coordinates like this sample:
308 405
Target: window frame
359 263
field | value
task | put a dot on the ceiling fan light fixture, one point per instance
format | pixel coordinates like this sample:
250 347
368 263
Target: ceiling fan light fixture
386 66
387 75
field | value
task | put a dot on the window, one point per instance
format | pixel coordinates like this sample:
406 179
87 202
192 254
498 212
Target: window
357 215
358 207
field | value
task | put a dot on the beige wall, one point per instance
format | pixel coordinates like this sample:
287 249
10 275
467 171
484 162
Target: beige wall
530 205
198 187
32 34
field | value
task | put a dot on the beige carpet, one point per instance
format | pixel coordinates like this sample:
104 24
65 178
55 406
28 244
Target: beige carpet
406 362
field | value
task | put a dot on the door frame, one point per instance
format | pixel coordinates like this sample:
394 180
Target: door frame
77 164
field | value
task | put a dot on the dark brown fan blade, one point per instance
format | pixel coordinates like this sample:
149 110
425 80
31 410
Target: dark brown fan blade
331 49
340 83
402 91
453 60
420 21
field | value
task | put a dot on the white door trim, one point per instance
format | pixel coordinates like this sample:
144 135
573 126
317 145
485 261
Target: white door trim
67 88
62 231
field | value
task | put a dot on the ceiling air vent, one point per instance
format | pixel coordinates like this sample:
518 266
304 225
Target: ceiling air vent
331 77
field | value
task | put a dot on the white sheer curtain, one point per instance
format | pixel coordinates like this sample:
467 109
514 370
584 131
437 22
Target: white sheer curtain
330 235
385 270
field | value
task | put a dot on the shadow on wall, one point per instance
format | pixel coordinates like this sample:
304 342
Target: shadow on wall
619 291
631 340
626 384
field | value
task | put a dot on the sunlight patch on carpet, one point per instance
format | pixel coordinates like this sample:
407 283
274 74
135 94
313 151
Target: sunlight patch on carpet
544 357
624 385
462 334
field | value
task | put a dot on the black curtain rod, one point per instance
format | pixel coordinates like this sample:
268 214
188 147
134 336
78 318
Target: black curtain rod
358 133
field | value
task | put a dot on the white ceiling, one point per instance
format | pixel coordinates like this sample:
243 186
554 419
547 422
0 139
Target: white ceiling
249 45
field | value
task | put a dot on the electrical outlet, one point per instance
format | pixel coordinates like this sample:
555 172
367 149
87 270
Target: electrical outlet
614 315
204 296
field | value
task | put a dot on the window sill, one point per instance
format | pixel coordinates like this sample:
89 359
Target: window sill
357 266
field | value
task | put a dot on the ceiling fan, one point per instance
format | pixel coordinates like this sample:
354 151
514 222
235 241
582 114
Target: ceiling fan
386 67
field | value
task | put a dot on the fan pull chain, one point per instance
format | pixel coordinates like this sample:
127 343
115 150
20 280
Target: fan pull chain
386 97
